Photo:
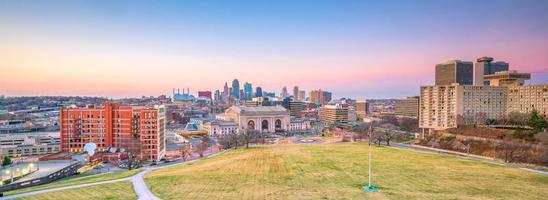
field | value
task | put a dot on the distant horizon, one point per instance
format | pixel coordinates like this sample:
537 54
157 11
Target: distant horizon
354 49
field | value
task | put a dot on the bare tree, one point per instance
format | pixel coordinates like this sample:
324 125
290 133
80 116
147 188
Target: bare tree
509 150
389 135
376 137
480 118
516 118
186 151
225 141
202 146
234 138
247 136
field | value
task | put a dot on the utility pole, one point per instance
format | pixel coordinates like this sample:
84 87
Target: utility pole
370 187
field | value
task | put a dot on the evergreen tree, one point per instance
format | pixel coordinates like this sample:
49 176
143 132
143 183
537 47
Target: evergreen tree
533 119
6 161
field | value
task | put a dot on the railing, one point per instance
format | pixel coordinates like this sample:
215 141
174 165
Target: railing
67 171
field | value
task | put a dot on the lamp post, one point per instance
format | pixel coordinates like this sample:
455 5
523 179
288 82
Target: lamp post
369 187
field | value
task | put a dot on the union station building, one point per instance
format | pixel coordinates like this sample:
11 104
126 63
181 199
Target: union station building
265 119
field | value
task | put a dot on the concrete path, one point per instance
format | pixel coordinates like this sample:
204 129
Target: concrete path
140 186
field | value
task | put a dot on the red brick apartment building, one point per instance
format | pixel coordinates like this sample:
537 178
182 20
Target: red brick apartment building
140 130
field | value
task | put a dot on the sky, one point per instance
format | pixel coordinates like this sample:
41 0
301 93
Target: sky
358 49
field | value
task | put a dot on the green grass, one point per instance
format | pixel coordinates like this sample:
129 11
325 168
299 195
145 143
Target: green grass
112 191
338 171
85 179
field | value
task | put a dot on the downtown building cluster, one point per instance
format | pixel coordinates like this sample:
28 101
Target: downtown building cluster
466 94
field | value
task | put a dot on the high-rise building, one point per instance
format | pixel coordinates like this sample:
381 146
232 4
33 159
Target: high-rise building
258 92
248 91
455 71
284 92
320 97
226 91
242 94
236 89
217 95
448 106
296 93
362 108
486 66
139 130
408 107
204 94
302 95
333 114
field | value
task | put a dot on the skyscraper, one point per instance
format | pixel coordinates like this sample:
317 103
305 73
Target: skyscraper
248 91
455 71
284 92
320 97
217 95
225 90
259 92
486 66
302 95
236 88
296 93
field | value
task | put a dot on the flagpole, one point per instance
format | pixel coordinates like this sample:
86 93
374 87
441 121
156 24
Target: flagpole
369 187
369 151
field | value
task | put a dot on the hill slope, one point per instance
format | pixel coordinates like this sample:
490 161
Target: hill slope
337 171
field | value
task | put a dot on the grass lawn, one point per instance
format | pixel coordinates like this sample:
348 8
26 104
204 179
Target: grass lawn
67 182
112 191
337 171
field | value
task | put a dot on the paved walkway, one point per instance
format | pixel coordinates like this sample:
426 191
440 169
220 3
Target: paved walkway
137 180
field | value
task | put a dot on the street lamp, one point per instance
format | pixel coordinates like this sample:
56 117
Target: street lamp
369 187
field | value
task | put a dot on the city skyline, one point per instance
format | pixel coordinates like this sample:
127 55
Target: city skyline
355 49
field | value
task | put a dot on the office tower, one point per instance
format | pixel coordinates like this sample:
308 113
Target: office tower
139 130
333 114
248 91
486 66
226 92
236 89
455 71
204 94
302 95
284 92
242 94
320 97
258 92
217 95
296 93
506 78
408 107
362 108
